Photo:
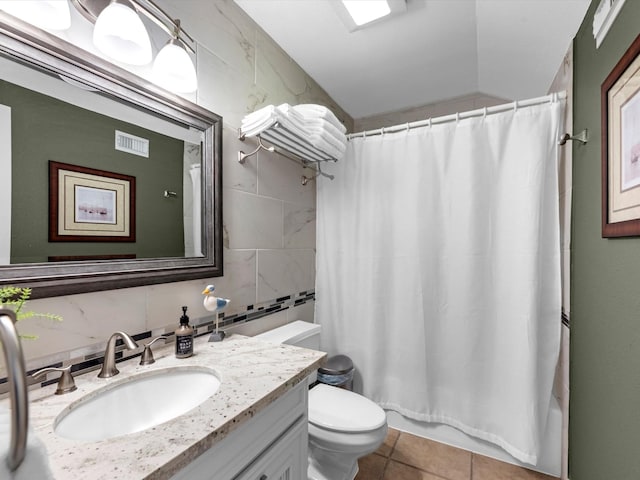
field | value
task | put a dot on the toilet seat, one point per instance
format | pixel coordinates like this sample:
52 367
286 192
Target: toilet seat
340 410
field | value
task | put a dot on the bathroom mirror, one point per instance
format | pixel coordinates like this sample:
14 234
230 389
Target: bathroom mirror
108 180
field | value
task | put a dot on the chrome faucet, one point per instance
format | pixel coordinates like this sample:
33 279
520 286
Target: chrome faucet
17 380
109 364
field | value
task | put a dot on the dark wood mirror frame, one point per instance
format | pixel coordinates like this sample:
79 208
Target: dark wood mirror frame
29 45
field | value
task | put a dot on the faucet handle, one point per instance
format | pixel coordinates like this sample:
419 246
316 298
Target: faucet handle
66 383
147 354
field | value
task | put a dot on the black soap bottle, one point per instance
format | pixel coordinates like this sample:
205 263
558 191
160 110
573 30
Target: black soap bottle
184 337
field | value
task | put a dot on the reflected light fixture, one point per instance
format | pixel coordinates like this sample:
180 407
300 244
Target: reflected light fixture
48 15
120 34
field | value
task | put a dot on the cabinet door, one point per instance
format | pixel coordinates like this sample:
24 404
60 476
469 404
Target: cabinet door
286 459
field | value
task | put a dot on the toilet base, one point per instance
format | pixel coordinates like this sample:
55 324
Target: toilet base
322 467
334 455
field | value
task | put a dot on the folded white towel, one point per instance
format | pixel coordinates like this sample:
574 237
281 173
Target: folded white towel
321 144
259 120
311 111
340 146
36 461
320 133
328 127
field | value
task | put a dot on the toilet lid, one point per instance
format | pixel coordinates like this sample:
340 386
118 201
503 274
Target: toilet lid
337 409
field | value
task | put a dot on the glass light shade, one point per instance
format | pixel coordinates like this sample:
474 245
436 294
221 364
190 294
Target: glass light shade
120 34
174 70
365 11
48 14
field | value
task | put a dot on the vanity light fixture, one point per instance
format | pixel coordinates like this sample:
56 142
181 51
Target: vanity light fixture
48 15
356 14
120 34
172 68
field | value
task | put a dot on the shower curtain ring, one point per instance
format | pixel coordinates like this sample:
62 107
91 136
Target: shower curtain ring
484 113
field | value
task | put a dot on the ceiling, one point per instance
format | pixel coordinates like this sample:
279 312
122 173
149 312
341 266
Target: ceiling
436 50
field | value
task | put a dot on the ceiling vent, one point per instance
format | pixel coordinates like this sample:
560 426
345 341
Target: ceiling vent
126 142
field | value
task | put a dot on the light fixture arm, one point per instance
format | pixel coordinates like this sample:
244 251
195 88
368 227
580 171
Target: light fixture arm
91 9
156 14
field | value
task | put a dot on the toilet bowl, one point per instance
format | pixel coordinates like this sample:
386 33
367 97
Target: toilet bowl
343 426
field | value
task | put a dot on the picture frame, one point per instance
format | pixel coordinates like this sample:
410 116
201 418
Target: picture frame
620 110
89 205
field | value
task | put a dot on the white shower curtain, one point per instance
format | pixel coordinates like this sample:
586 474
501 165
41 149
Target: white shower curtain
438 271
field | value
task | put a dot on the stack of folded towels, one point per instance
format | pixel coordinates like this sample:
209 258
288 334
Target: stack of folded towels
315 123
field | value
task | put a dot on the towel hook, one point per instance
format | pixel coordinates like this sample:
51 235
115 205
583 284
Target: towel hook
582 137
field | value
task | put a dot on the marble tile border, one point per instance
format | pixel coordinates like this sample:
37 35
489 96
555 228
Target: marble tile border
94 357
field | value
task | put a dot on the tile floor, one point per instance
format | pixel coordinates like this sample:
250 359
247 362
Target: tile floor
407 457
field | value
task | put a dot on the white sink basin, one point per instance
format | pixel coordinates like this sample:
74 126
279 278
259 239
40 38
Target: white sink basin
136 403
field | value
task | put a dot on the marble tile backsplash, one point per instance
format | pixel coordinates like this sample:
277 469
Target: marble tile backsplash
269 217
247 319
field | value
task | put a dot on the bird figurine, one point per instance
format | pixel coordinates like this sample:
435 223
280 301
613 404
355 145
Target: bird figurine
216 305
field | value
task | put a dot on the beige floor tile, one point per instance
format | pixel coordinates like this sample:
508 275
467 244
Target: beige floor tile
400 471
389 442
371 467
436 458
485 468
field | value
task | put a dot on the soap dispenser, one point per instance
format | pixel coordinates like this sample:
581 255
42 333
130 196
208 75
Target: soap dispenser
184 337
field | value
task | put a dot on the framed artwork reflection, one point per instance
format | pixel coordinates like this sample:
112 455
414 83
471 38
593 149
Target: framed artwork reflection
89 205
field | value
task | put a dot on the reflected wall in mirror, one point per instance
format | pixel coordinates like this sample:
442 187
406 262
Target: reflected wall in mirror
106 119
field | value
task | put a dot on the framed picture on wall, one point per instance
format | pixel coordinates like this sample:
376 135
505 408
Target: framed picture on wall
89 205
620 97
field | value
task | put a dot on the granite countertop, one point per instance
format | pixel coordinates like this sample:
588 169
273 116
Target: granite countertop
253 374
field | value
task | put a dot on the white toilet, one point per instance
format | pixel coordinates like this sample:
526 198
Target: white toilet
343 426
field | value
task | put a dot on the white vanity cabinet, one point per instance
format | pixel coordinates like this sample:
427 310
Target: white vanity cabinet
270 446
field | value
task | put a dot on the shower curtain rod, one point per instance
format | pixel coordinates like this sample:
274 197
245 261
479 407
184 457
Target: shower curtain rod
553 97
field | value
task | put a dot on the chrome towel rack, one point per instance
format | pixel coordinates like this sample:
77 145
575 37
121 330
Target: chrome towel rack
292 146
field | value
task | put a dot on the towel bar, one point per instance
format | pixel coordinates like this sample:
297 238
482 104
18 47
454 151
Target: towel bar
291 146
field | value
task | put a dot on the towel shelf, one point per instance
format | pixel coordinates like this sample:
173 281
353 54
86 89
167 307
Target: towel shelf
290 145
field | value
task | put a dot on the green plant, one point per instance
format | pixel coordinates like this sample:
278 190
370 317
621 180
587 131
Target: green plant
15 299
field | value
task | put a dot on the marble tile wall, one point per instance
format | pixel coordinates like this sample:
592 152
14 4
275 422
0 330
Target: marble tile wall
269 217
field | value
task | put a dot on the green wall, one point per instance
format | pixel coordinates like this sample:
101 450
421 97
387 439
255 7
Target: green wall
604 416
44 129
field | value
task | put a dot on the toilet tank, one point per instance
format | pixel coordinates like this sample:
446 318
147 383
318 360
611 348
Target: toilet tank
298 333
